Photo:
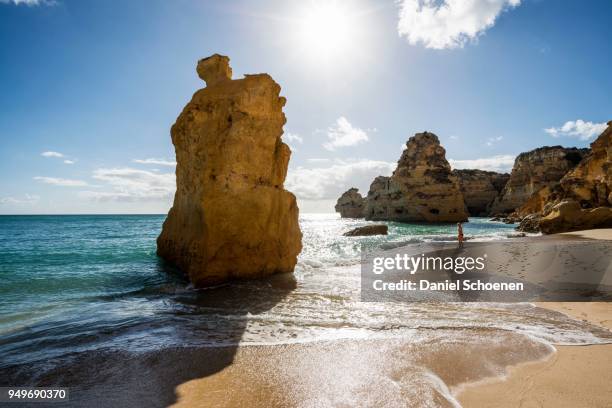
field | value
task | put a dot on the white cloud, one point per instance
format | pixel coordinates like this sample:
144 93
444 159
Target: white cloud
158 162
28 2
441 24
329 182
128 184
318 160
501 163
292 137
51 154
27 199
343 134
493 140
68 161
61 181
579 129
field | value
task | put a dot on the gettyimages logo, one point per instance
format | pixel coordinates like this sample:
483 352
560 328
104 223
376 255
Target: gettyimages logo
412 264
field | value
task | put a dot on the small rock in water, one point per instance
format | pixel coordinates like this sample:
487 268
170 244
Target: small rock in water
378 229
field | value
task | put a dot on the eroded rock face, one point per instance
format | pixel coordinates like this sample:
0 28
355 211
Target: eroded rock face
569 216
351 204
537 202
214 69
231 217
534 170
590 183
480 188
581 199
530 223
422 187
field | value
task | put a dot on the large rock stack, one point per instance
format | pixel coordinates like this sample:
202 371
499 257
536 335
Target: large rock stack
422 187
231 217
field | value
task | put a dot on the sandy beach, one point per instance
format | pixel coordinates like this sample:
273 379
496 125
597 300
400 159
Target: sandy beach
354 373
574 376
374 373
382 372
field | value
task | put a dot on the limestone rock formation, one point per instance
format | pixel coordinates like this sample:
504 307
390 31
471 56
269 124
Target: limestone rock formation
422 187
376 229
231 217
569 216
590 183
534 170
566 205
541 199
530 223
351 204
480 188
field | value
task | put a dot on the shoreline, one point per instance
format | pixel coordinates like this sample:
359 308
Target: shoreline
572 376
441 365
544 379
323 373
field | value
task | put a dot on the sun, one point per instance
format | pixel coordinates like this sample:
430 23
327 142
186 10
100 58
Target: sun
325 30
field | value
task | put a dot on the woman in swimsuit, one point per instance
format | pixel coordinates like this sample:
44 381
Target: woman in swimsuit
460 234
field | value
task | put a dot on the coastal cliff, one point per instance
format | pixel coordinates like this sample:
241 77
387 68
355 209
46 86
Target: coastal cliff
581 199
231 217
533 171
422 187
351 204
590 183
480 188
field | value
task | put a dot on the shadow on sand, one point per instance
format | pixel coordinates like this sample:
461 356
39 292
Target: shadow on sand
204 326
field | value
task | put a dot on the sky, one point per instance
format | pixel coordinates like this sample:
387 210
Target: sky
90 89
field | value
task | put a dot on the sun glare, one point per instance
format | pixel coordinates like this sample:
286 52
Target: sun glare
325 30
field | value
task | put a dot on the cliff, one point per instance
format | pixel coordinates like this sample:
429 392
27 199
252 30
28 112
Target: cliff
422 187
568 216
534 170
580 200
480 188
231 217
351 204
590 183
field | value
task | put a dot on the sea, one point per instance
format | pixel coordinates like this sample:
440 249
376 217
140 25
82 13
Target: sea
73 285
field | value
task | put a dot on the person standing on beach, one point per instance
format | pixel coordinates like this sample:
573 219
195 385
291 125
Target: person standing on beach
460 234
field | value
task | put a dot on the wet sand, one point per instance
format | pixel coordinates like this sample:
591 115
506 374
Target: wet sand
397 373
575 376
505 372
357 373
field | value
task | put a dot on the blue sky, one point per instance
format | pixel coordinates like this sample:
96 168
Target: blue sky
91 88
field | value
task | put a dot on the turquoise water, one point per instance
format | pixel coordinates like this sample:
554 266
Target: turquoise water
56 266
88 284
